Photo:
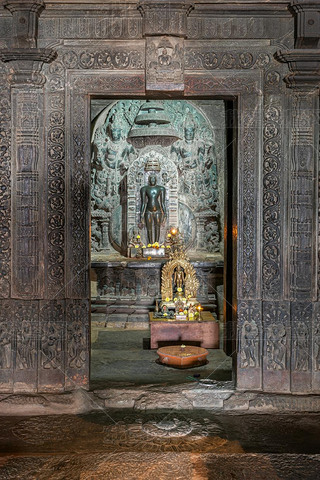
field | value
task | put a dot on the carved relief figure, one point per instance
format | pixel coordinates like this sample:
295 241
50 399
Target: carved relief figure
5 347
276 347
26 346
317 347
153 209
77 346
301 347
112 155
249 342
51 346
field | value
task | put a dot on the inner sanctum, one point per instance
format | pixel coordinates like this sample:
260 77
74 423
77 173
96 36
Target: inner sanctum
162 206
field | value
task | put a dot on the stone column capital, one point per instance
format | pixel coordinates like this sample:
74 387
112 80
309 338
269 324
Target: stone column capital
304 65
26 64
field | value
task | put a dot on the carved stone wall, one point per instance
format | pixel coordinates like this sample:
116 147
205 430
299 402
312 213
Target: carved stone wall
228 52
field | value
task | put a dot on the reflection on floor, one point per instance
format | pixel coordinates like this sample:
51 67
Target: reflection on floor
184 445
118 355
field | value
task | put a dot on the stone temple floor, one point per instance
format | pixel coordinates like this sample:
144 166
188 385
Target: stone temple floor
167 445
118 356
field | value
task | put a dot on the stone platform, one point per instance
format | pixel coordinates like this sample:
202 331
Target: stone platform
205 333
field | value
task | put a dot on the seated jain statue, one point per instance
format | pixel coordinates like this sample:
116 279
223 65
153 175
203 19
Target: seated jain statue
153 210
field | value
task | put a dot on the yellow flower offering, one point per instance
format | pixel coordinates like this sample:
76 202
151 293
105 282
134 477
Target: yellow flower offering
179 289
175 299
149 245
185 312
162 246
143 246
165 314
138 236
169 235
183 299
167 299
136 246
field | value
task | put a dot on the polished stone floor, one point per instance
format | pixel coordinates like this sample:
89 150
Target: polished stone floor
164 445
119 356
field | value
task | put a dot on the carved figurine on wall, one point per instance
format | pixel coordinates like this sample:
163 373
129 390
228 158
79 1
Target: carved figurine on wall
153 208
112 156
189 151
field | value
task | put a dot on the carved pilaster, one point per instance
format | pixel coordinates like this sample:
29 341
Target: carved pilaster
316 349
303 208
27 264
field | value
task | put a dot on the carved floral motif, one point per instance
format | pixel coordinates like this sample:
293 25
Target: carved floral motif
272 221
5 188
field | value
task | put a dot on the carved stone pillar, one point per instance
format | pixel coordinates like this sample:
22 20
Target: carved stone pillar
25 62
165 27
304 80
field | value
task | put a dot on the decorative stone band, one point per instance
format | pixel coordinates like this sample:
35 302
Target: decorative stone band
304 65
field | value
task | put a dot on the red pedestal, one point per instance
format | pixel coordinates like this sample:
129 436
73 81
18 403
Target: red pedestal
205 332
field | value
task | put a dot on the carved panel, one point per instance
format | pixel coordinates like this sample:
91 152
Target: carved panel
77 348
5 187
26 324
272 207
110 58
248 260
6 345
164 63
303 217
301 317
215 27
202 58
277 333
111 25
249 345
316 349
52 345
55 231
27 274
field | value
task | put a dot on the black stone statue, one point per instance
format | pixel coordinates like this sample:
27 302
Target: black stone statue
153 211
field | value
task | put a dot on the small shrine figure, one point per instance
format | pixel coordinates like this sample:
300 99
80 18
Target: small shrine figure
178 279
191 312
163 311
